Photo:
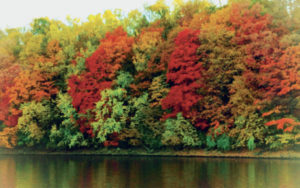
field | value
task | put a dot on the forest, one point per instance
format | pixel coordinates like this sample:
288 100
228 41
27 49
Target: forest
191 75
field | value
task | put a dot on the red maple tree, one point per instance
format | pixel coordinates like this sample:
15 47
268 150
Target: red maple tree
6 82
185 77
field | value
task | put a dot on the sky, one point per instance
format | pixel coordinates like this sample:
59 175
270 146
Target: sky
20 13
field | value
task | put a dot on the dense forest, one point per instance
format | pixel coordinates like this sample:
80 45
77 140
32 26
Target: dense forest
193 75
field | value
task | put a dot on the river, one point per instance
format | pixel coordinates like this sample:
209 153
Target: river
142 172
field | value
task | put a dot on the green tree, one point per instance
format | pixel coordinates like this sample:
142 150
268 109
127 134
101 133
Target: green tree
179 132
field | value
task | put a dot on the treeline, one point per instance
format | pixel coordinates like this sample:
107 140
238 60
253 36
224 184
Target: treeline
191 75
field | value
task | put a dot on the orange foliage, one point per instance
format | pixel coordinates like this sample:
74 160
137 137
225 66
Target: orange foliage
31 85
8 137
281 77
198 20
256 37
53 48
284 121
275 110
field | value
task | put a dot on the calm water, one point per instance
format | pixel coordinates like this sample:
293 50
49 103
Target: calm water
142 172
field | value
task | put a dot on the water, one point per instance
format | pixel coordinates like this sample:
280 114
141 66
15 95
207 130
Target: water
142 172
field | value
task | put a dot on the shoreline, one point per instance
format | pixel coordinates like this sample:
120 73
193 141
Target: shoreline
256 154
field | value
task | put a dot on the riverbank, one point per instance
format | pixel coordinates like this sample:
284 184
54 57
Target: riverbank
288 154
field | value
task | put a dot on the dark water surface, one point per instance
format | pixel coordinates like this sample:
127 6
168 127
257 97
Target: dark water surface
142 172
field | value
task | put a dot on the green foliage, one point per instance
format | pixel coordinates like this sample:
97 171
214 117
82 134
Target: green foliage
66 108
66 135
111 113
124 79
210 142
134 22
2 126
251 144
179 132
147 120
36 119
281 141
251 127
40 26
223 142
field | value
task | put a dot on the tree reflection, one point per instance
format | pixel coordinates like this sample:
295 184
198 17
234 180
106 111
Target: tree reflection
93 171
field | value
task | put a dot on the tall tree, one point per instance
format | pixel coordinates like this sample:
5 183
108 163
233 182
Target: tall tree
185 78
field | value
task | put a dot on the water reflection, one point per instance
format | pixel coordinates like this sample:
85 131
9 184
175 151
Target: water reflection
87 171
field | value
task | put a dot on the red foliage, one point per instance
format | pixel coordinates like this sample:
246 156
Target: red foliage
85 126
185 77
284 121
85 91
102 66
255 35
281 77
113 140
113 51
7 81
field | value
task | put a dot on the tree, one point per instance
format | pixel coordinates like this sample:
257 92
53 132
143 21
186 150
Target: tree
101 69
146 120
111 115
185 78
280 88
253 32
36 119
222 60
6 82
40 26
281 78
8 137
179 132
145 52
36 84
66 134
158 90
145 46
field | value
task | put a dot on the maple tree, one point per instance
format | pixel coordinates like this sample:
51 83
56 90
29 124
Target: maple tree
280 85
279 78
101 69
9 69
255 36
282 122
32 85
185 77
7 81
